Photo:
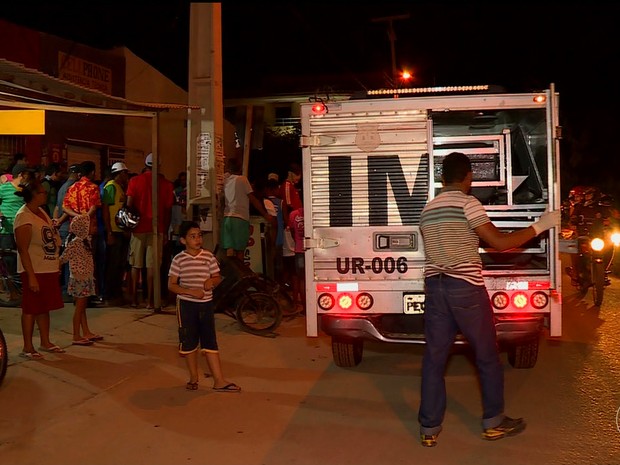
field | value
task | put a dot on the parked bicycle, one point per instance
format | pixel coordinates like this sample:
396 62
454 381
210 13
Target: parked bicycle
10 284
241 295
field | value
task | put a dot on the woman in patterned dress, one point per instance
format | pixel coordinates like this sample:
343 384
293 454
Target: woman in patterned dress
81 278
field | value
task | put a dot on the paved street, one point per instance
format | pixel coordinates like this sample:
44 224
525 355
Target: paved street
122 401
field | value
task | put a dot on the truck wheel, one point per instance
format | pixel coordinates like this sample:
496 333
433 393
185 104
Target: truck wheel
347 353
523 355
598 284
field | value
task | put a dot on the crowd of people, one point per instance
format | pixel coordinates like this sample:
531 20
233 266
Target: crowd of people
70 248
58 232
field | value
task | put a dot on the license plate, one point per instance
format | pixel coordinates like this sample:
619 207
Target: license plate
413 304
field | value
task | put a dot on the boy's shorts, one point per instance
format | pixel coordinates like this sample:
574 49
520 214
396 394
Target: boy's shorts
196 326
235 233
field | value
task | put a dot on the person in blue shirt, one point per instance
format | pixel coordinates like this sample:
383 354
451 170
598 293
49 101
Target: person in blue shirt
62 220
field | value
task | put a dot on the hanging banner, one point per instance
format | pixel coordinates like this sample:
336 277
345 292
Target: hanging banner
22 122
202 186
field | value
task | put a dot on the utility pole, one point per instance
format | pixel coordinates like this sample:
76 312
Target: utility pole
205 141
392 36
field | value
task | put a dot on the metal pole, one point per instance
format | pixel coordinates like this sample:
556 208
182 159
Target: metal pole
156 219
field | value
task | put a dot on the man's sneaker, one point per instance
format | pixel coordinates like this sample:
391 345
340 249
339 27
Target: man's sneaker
429 440
508 427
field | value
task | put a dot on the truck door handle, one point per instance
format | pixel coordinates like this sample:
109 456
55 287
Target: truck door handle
396 241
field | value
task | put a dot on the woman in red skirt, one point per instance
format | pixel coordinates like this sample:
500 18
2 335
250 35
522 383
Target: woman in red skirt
38 245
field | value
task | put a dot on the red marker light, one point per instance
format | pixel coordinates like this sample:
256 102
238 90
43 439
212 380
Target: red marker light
319 108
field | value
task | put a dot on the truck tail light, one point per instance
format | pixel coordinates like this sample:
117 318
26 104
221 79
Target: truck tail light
519 300
326 301
364 301
539 300
345 301
500 300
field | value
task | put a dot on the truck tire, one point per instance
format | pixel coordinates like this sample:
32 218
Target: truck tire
347 353
523 355
598 282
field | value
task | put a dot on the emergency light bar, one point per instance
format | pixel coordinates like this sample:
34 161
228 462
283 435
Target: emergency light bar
429 90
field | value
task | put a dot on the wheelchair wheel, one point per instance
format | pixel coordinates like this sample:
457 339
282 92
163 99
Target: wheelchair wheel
258 312
10 291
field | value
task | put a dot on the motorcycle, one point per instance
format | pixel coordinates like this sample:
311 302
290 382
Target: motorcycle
596 246
244 296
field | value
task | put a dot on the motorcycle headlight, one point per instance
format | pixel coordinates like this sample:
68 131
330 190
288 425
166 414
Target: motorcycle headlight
597 244
615 238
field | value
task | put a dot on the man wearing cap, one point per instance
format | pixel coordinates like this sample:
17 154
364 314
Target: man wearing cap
9 204
139 197
117 240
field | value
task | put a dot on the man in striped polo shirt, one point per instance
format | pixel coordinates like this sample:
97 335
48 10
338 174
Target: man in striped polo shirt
456 298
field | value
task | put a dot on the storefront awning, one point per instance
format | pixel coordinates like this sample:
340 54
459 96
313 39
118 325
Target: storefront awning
20 86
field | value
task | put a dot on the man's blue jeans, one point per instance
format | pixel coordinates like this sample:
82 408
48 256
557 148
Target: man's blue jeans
451 305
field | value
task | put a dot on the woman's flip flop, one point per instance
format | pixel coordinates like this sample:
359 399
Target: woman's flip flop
52 350
230 387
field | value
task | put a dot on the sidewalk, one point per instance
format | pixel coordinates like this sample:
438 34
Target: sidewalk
123 401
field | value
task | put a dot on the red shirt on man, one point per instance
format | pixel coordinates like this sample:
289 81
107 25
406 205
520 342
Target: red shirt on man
140 190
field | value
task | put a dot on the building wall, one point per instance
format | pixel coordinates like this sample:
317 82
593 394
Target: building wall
118 72
19 44
143 83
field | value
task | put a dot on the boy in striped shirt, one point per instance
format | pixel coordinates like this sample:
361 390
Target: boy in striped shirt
194 273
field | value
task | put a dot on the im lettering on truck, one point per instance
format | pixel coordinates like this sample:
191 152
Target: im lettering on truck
371 165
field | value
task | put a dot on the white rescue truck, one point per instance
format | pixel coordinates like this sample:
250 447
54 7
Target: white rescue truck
371 165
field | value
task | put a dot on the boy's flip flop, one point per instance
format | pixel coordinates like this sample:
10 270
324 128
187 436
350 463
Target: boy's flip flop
95 338
230 387
82 342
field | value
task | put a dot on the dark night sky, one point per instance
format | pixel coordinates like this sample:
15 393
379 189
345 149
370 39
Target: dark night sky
518 45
